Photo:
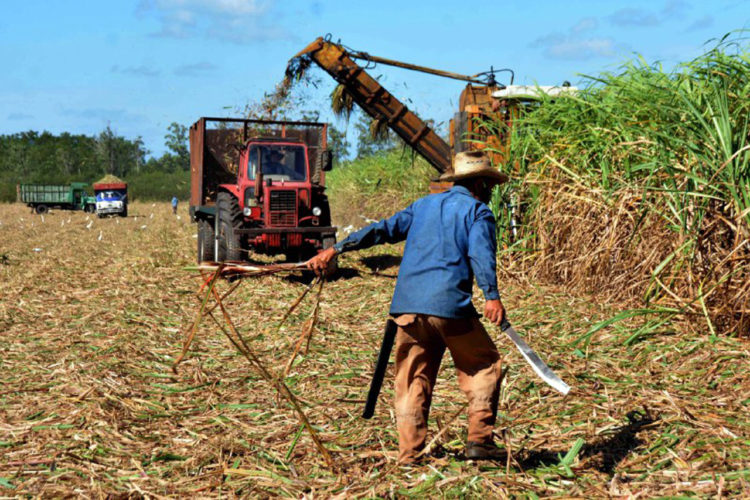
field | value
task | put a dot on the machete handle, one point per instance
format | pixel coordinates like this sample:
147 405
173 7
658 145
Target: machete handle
377 377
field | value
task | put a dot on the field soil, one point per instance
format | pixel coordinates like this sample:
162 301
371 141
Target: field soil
93 314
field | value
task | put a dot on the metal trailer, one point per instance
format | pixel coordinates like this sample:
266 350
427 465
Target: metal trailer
42 197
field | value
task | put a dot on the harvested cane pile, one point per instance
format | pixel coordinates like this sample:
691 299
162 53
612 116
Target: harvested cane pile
94 313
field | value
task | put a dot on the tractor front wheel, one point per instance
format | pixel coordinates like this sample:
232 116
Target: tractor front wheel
228 221
205 240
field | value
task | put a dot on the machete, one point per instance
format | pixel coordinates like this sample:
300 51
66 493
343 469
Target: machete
380 366
534 360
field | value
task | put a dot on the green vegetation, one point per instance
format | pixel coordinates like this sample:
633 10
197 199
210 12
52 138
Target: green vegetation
638 187
377 185
33 157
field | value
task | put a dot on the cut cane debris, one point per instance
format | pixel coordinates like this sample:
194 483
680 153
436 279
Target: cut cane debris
237 270
91 331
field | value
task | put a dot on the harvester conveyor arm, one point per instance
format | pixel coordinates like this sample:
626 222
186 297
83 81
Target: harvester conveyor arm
377 102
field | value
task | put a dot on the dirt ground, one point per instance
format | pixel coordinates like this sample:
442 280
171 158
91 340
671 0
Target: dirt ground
93 313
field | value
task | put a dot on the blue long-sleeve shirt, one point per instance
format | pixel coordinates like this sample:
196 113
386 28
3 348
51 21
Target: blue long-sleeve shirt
450 239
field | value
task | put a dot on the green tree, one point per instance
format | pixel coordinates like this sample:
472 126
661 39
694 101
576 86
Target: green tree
119 155
338 144
373 136
176 141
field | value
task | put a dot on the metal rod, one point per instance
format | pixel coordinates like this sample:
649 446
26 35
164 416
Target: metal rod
415 67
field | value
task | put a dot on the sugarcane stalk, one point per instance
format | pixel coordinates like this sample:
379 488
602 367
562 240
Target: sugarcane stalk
278 384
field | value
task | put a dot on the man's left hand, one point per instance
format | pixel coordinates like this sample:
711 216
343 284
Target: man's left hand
319 263
494 311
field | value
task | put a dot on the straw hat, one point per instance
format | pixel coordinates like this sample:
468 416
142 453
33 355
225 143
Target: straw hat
473 164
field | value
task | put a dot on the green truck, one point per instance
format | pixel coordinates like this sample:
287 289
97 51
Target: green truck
42 197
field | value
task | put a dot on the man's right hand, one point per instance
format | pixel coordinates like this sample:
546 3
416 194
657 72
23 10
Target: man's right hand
494 311
319 263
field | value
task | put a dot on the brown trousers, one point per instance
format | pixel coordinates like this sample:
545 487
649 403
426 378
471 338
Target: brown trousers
420 343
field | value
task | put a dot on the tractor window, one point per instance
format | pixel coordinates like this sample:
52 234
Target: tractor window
279 162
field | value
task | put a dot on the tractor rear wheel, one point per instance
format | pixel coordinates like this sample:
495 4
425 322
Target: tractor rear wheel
228 221
205 240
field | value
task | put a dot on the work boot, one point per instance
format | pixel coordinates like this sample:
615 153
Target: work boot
483 451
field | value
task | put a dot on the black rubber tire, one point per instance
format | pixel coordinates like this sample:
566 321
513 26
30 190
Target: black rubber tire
228 220
205 240
41 209
124 212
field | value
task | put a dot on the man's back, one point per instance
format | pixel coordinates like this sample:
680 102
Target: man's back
451 236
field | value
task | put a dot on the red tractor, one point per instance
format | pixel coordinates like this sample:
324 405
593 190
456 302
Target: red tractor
259 185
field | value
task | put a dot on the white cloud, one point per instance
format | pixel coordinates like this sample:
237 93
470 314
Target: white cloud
675 9
141 70
672 10
196 69
582 49
558 46
585 24
238 21
702 23
20 116
575 44
634 17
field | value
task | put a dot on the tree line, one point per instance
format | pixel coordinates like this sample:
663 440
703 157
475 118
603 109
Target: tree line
45 158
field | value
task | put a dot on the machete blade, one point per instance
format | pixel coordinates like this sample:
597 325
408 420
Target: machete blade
539 366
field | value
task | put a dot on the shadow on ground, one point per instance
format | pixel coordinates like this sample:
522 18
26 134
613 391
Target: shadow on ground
380 262
602 454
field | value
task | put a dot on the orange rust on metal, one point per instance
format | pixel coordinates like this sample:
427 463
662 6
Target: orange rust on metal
467 132
377 102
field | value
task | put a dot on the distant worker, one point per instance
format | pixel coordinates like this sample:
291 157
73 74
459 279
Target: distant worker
450 240
174 204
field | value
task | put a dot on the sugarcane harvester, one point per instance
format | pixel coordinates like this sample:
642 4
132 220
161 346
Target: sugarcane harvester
477 104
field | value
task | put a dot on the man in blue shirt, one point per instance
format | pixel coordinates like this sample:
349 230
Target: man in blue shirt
450 240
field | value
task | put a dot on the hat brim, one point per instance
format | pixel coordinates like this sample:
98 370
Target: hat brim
494 175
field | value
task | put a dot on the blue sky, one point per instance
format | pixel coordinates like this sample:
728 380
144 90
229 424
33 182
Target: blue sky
139 65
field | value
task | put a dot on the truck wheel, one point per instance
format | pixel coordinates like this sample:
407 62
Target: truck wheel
89 209
333 266
41 209
229 219
205 240
124 212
